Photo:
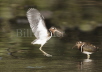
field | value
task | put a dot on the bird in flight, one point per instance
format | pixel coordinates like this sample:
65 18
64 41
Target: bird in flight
39 29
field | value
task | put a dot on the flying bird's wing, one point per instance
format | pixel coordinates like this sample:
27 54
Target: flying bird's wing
37 23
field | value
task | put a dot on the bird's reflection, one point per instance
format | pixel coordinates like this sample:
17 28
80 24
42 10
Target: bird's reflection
86 64
11 53
87 60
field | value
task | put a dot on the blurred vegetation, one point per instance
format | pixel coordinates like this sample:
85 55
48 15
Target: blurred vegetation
84 14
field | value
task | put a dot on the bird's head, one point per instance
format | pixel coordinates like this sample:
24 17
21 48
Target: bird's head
52 29
79 44
56 32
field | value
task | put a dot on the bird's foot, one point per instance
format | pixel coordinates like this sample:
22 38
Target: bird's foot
48 55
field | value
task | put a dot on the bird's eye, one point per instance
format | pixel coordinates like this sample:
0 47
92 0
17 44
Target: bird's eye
80 42
53 28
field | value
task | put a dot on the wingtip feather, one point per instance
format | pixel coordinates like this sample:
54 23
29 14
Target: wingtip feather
30 9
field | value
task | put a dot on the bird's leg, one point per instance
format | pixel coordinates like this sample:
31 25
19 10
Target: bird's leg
88 56
46 54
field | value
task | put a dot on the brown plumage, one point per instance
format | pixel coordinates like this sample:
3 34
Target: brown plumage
86 48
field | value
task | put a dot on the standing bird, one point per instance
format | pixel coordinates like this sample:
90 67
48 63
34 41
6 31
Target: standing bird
39 29
86 48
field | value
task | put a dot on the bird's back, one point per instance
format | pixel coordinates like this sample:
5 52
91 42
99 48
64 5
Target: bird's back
89 48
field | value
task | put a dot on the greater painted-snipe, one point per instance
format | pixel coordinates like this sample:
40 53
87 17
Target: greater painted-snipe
86 48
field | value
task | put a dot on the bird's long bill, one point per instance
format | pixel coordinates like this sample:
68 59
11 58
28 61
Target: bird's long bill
73 46
58 33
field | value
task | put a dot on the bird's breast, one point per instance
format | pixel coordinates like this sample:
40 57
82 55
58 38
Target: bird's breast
85 52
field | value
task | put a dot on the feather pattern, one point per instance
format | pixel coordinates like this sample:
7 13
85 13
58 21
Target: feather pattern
37 23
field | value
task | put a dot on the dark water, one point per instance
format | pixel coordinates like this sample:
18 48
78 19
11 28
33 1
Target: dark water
18 55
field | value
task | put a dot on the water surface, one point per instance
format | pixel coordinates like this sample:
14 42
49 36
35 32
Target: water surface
18 55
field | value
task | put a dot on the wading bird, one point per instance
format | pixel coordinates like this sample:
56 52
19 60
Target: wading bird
86 48
39 29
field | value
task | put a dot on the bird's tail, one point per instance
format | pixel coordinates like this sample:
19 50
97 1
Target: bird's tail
36 41
97 49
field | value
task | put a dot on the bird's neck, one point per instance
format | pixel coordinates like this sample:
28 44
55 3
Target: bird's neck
81 48
50 33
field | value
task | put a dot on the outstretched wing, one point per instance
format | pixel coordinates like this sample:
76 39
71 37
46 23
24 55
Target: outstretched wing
37 23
